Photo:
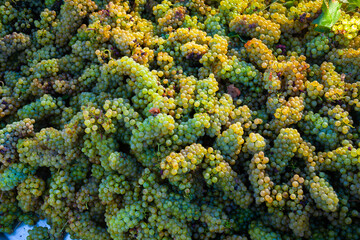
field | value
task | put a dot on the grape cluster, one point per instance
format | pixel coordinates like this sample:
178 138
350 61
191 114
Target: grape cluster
38 233
29 192
180 119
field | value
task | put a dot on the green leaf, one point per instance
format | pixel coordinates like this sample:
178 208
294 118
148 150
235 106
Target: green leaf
329 16
289 4
353 4
235 35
